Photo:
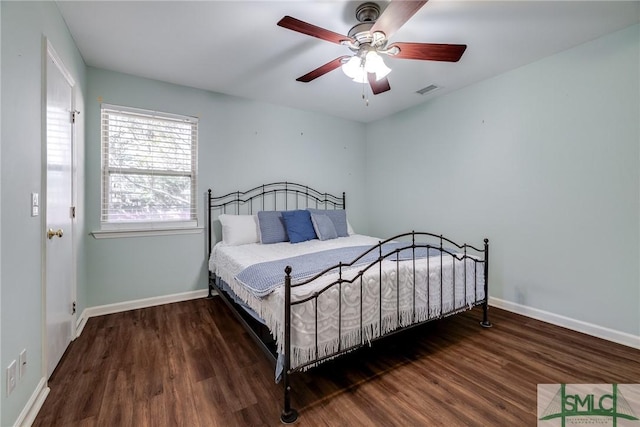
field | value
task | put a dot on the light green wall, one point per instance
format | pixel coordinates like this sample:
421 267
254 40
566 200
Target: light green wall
1 204
24 26
544 161
242 144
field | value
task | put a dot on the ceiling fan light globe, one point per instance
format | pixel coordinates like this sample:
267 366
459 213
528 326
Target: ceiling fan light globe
371 61
352 67
374 64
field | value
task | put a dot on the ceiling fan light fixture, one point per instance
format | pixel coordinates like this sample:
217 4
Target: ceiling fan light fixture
357 68
374 64
353 67
356 71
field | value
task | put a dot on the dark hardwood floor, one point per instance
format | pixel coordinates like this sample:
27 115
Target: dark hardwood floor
191 364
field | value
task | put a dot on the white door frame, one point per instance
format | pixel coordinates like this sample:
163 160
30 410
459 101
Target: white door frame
49 52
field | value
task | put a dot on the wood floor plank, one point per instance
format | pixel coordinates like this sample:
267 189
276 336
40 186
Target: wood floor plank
192 364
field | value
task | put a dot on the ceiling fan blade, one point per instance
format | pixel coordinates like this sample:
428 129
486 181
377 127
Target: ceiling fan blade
322 70
429 51
311 30
395 15
378 86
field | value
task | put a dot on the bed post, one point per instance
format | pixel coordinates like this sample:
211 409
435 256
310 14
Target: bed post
288 415
209 217
485 306
210 295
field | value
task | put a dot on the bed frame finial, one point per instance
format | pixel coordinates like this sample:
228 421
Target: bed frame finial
289 415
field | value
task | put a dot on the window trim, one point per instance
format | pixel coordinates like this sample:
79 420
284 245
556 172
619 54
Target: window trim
153 227
146 232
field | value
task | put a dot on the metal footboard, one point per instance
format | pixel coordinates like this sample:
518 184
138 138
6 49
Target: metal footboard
479 260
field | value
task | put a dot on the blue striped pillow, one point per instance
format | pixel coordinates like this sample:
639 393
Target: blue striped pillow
337 216
271 227
324 227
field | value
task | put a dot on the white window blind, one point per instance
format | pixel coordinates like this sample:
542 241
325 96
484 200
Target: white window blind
149 168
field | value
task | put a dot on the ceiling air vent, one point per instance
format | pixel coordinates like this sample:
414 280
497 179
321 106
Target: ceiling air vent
428 89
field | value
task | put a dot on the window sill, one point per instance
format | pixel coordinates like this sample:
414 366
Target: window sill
114 234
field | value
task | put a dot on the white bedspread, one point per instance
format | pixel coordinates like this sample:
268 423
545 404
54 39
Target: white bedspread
398 302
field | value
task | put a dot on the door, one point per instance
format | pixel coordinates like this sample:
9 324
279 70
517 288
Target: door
59 274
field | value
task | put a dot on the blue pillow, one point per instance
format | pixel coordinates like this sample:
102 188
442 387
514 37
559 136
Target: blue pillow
323 227
272 228
299 226
337 216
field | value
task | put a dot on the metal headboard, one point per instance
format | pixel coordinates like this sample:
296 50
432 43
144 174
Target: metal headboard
270 197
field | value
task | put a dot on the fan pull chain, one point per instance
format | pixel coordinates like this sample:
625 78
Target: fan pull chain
365 98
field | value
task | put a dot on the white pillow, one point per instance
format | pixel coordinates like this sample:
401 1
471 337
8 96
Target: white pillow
350 231
239 229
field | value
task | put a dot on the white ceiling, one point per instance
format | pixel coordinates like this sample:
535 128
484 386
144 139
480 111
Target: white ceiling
235 47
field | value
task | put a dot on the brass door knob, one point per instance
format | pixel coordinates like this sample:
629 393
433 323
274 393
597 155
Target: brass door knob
51 233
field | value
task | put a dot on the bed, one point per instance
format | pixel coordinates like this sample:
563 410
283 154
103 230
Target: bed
309 289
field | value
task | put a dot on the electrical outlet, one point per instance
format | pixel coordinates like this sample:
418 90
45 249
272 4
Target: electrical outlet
11 377
22 361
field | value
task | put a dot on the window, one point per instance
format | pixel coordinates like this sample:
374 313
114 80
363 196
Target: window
149 168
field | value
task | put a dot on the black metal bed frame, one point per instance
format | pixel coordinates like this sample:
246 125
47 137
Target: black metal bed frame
297 196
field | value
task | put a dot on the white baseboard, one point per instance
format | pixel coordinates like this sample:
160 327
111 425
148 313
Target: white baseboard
81 321
569 323
35 402
119 307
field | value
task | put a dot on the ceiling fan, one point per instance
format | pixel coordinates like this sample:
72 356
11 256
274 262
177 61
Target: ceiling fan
370 38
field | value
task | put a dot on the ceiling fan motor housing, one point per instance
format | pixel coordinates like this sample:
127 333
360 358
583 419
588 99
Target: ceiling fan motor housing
368 12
